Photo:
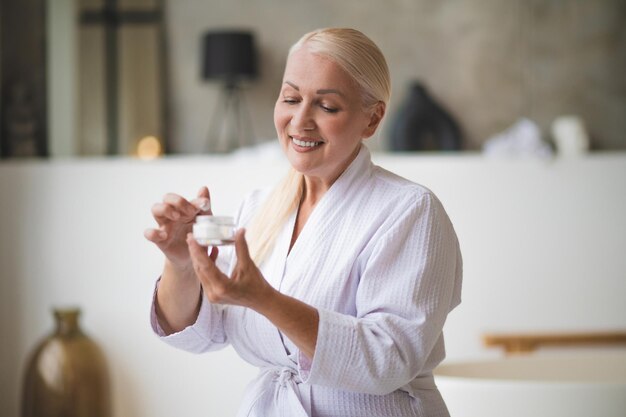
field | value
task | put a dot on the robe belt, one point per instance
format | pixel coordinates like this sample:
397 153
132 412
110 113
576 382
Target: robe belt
424 382
291 397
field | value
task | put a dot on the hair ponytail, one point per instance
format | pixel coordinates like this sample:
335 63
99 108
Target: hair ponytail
266 226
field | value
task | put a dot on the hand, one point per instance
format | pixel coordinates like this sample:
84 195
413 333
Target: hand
246 287
175 216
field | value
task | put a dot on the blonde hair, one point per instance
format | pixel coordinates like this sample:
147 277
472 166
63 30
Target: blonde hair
361 59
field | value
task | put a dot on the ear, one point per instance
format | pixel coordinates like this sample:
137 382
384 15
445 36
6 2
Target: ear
375 116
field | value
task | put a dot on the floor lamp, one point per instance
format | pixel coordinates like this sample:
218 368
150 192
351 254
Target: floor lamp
229 57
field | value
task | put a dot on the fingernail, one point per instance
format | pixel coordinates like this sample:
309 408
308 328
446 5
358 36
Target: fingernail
162 234
206 205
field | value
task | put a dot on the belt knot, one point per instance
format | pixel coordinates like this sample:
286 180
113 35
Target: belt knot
285 375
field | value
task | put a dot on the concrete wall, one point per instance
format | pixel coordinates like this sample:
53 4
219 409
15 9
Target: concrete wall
542 241
488 61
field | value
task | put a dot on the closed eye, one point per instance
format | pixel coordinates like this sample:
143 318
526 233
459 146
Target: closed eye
329 109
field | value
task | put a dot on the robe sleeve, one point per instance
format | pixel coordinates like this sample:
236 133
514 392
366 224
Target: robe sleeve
410 281
206 334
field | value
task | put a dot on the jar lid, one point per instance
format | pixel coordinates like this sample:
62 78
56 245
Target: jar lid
221 220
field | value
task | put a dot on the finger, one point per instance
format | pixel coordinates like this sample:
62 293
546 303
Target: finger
205 196
203 265
241 247
214 282
204 192
180 204
214 253
164 213
202 204
155 235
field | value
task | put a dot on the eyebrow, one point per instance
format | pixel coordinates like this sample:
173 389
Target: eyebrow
321 91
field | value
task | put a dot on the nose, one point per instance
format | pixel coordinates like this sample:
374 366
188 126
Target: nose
302 118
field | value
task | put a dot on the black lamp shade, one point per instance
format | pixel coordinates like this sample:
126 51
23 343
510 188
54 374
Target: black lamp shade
229 56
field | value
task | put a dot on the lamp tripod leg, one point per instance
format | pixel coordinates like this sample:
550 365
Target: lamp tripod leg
218 123
247 129
230 129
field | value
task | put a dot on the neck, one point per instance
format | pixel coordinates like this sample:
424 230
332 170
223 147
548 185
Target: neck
314 190
316 187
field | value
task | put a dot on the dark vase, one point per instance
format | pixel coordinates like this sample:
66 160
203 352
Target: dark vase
67 374
422 124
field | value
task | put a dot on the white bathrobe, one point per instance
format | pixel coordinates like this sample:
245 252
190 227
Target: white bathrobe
379 259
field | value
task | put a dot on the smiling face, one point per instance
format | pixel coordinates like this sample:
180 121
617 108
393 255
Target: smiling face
319 116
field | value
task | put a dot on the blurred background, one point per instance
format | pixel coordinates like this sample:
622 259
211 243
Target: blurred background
91 70
107 105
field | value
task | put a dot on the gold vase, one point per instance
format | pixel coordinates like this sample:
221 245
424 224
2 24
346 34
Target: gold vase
67 374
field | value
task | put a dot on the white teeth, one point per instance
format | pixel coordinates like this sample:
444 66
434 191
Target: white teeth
304 143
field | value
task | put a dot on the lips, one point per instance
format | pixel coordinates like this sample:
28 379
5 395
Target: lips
305 143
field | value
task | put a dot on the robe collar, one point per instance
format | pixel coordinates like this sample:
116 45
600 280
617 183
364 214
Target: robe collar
287 266
330 205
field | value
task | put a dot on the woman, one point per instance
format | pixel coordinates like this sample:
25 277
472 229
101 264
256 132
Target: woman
341 297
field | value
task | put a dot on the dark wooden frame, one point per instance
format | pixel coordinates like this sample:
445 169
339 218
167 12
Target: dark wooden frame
23 104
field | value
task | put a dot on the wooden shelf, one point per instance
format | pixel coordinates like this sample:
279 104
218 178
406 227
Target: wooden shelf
528 342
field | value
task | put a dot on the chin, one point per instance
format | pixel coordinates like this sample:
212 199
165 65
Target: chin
301 166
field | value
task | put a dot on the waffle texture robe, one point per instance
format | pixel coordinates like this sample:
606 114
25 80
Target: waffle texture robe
379 259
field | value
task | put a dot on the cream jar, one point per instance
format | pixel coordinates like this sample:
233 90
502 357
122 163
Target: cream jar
214 230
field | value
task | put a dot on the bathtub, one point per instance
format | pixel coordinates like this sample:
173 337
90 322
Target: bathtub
538 385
